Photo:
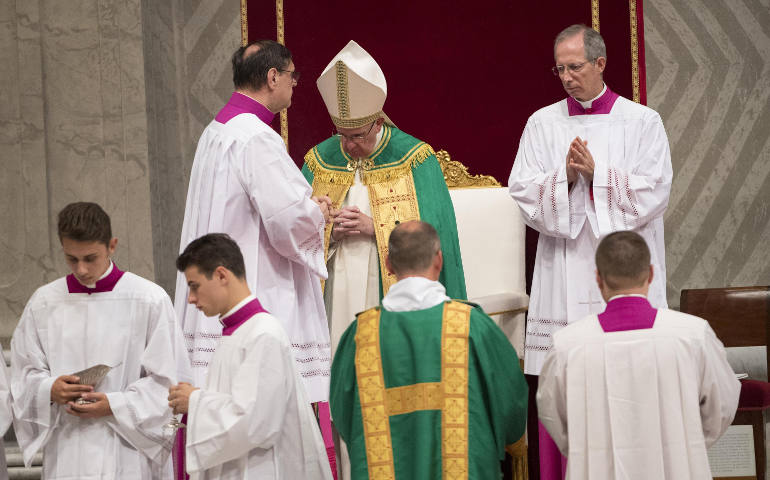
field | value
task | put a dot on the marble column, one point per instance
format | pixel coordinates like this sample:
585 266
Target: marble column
73 127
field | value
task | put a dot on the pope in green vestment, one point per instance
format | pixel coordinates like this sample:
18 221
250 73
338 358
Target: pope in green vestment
375 177
400 174
427 394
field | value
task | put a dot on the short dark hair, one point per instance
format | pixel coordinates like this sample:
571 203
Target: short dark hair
593 43
211 251
250 71
84 222
412 246
623 260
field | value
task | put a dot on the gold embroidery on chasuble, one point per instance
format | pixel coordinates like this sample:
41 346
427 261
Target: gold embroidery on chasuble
392 195
392 203
454 382
450 396
412 398
371 392
334 184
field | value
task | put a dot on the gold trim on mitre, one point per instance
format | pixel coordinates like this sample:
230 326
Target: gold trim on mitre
353 88
355 122
342 90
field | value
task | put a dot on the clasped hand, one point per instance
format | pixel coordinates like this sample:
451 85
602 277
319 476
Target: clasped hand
350 221
579 160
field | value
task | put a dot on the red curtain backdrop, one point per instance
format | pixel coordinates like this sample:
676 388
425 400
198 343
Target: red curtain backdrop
462 76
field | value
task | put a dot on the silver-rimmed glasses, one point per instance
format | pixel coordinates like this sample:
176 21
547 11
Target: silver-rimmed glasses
559 70
356 137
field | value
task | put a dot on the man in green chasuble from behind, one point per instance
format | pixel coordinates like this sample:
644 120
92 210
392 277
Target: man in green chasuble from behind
377 177
424 386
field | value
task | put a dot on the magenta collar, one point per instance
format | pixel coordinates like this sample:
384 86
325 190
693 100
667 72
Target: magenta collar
627 313
106 284
240 103
601 105
239 317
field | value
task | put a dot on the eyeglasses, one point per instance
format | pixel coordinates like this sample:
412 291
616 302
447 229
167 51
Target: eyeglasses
574 68
294 74
356 137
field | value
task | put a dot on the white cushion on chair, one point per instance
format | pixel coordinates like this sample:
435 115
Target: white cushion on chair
491 234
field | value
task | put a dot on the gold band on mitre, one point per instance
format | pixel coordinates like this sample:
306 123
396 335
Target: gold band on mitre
342 90
355 122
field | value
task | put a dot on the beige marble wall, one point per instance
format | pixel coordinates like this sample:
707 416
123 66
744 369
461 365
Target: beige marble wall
708 74
104 100
72 127
187 47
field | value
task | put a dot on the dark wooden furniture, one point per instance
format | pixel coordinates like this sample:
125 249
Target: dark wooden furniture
740 317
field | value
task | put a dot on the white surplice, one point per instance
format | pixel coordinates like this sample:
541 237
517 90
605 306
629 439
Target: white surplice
637 404
631 184
132 328
244 183
253 418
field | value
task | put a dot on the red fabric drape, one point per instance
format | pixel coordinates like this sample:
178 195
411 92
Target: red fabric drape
462 76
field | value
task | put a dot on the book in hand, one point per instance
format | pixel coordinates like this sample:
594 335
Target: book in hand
92 376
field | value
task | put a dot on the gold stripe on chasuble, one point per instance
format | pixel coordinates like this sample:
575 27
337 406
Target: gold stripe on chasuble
371 392
454 383
412 398
392 202
334 184
450 395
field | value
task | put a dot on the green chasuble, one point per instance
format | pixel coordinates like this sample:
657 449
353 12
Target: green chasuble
429 394
405 182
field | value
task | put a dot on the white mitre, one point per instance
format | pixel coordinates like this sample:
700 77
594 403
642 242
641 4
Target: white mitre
353 88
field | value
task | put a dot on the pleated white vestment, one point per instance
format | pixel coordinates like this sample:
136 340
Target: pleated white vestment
253 418
131 327
631 183
244 183
637 404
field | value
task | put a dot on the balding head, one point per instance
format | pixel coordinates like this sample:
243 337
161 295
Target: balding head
252 62
414 250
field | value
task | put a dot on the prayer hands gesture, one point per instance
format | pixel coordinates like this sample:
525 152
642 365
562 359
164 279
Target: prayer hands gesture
350 221
179 397
579 160
325 204
66 389
99 408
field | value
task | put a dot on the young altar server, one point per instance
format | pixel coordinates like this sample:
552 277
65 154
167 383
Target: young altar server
98 314
635 392
253 418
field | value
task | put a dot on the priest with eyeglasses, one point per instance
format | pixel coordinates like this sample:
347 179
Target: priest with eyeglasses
589 165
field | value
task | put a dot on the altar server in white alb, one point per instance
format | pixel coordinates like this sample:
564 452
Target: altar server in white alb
96 315
244 183
589 165
635 392
252 419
